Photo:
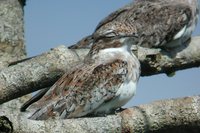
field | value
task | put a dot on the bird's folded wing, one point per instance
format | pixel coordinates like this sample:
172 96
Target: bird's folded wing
81 91
114 15
162 23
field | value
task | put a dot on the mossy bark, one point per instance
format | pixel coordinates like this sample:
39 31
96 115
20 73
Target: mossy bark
12 46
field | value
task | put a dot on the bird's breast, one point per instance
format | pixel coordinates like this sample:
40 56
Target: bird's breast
125 93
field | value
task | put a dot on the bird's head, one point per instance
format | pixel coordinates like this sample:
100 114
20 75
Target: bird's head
125 42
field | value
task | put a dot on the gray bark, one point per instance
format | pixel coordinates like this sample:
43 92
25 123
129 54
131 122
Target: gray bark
171 60
12 46
42 71
175 116
34 74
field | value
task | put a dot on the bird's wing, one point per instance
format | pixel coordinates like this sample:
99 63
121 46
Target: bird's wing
80 92
155 22
163 22
114 15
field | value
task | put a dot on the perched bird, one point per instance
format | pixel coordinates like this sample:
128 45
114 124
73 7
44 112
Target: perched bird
103 82
157 23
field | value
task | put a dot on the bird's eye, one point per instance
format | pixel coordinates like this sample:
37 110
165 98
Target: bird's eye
110 33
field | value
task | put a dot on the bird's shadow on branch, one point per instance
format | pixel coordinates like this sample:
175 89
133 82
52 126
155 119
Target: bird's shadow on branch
145 117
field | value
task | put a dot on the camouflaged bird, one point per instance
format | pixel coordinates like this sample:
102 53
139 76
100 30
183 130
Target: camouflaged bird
157 23
103 82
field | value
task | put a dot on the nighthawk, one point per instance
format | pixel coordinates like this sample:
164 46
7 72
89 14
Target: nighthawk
105 81
157 23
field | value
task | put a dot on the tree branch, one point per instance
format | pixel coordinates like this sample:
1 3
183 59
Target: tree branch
42 71
12 45
175 115
184 57
36 73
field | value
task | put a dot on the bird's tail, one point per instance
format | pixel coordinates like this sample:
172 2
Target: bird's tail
34 99
43 113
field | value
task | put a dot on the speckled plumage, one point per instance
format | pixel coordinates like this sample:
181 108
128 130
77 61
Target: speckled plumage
103 82
157 23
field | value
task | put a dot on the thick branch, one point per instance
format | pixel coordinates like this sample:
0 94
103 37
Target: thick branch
12 45
36 73
42 71
168 61
175 115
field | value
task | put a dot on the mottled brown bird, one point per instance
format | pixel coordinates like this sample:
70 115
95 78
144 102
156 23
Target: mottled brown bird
103 82
157 23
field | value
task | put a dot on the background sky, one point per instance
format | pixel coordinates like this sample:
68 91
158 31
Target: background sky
50 23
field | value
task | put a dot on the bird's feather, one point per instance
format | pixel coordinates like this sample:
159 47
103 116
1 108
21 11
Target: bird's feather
80 92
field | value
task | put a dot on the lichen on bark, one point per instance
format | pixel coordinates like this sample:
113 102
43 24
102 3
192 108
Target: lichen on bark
12 45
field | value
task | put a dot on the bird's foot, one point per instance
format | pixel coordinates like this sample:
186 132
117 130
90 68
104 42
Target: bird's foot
119 110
